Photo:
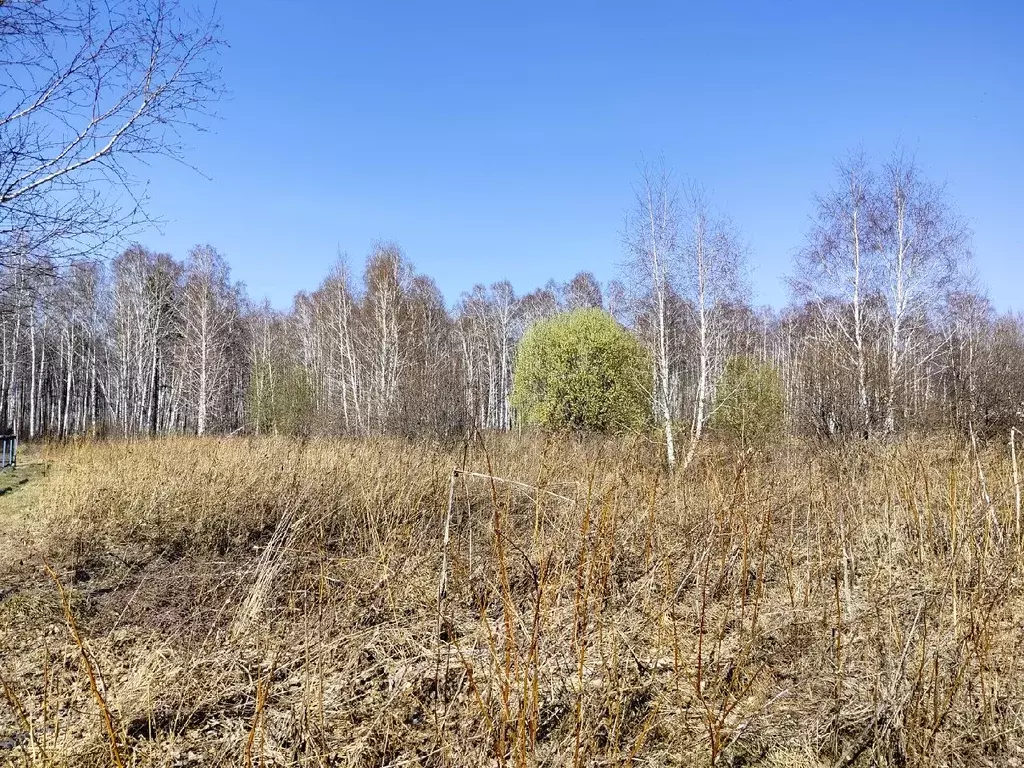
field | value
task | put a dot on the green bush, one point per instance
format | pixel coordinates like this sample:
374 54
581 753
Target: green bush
281 401
582 371
748 402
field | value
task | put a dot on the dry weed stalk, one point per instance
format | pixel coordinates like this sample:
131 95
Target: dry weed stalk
91 669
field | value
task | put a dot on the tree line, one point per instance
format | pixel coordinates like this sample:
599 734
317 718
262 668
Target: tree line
886 331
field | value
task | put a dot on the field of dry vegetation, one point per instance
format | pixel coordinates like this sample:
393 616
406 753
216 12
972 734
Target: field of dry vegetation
273 602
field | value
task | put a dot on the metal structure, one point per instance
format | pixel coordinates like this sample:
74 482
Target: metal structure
8 451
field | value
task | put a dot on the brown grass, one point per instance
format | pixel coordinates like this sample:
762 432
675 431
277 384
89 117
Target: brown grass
267 602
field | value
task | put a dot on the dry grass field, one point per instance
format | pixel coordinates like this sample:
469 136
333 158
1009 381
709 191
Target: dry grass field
272 602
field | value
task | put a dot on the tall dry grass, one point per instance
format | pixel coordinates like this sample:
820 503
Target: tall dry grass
276 602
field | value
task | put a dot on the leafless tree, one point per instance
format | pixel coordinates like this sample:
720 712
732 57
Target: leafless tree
880 259
489 325
209 312
88 90
838 268
583 292
713 277
145 290
651 239
922 248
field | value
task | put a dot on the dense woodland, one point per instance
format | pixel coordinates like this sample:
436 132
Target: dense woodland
885 332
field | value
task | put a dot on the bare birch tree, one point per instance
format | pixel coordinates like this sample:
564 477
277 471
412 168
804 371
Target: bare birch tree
146 289
712 265
650 237
86 90
209 310
837 269
922 247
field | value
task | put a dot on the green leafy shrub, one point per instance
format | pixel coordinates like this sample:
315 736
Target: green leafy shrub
582 371
281 401
748 402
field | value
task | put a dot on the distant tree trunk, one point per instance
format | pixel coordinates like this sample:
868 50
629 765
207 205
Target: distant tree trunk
154 398
32 381
858 324
66 426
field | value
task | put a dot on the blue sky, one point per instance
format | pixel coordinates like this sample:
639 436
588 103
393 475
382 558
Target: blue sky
500 141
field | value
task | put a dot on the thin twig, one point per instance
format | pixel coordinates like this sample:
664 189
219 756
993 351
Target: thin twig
513 482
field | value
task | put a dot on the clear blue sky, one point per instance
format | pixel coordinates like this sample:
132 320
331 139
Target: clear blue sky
500 140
